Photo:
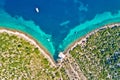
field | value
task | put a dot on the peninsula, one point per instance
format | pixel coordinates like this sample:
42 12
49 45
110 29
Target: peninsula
95 56
22 58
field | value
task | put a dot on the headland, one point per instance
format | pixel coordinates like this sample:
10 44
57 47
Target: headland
95 55
32 41
84 38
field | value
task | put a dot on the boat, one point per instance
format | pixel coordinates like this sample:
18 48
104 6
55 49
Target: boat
37 10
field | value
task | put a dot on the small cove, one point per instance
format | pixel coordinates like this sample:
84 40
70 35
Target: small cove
59 23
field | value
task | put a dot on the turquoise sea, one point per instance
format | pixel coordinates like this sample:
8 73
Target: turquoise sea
58 23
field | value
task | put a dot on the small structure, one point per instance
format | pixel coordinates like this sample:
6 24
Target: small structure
61 56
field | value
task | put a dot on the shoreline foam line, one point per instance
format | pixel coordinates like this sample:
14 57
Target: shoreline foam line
32 41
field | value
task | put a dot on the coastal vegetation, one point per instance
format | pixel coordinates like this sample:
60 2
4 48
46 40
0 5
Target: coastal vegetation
99 56
21 60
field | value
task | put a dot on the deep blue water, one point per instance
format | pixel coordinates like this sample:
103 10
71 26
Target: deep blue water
54 12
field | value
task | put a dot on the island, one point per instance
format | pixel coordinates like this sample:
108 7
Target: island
95 56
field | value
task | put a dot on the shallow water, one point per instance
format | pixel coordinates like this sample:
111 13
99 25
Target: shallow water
58 22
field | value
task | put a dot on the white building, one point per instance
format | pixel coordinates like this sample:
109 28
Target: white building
61 55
